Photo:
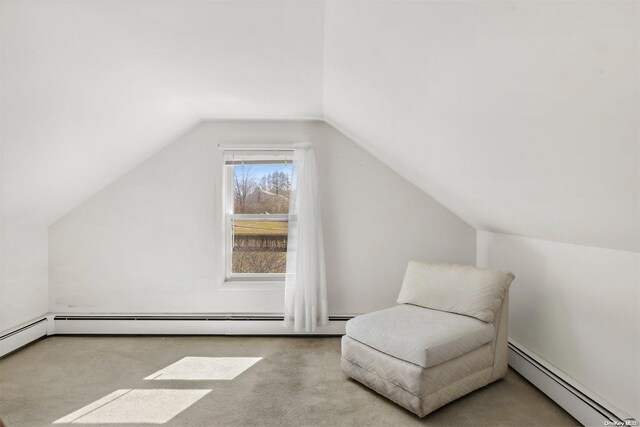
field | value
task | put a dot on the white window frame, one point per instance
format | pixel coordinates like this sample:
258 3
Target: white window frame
269 156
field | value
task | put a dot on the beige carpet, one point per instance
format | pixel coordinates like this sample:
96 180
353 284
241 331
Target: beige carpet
235 381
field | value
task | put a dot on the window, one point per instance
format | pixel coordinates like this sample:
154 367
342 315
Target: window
257 186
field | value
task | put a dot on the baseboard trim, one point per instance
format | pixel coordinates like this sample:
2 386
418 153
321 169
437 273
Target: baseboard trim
22 335
216 324
585 406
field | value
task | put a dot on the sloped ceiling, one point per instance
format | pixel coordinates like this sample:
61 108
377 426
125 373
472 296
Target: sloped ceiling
90 89
521 117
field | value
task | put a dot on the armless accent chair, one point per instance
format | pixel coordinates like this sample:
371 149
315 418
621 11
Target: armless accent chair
446 338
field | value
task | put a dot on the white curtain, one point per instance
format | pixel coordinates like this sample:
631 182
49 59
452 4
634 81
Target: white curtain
305 291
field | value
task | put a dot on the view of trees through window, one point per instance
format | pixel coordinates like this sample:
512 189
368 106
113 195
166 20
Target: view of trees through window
260 245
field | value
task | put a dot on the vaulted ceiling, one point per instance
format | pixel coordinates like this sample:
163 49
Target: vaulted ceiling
521 117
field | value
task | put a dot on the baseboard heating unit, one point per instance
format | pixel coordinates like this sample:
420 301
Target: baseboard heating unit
586 407
22 335
218 324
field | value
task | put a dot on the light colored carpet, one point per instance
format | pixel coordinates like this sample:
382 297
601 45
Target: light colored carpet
270 381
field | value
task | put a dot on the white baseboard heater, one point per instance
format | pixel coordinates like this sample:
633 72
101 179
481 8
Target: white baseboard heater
218 324
583 405
22 335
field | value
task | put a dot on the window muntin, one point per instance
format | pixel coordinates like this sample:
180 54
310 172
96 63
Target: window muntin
258 187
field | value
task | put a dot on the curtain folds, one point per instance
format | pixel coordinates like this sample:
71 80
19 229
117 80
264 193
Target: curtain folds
305 306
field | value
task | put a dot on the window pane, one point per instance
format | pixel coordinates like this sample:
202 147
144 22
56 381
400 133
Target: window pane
259 247
261 188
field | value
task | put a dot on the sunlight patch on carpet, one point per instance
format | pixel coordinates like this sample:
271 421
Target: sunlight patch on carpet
135 406
205 368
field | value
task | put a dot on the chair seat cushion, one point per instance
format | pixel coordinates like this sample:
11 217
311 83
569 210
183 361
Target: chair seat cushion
420 335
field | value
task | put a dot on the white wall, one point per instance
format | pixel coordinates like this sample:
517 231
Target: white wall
23 237
150 241
520 116
23 288
577 307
